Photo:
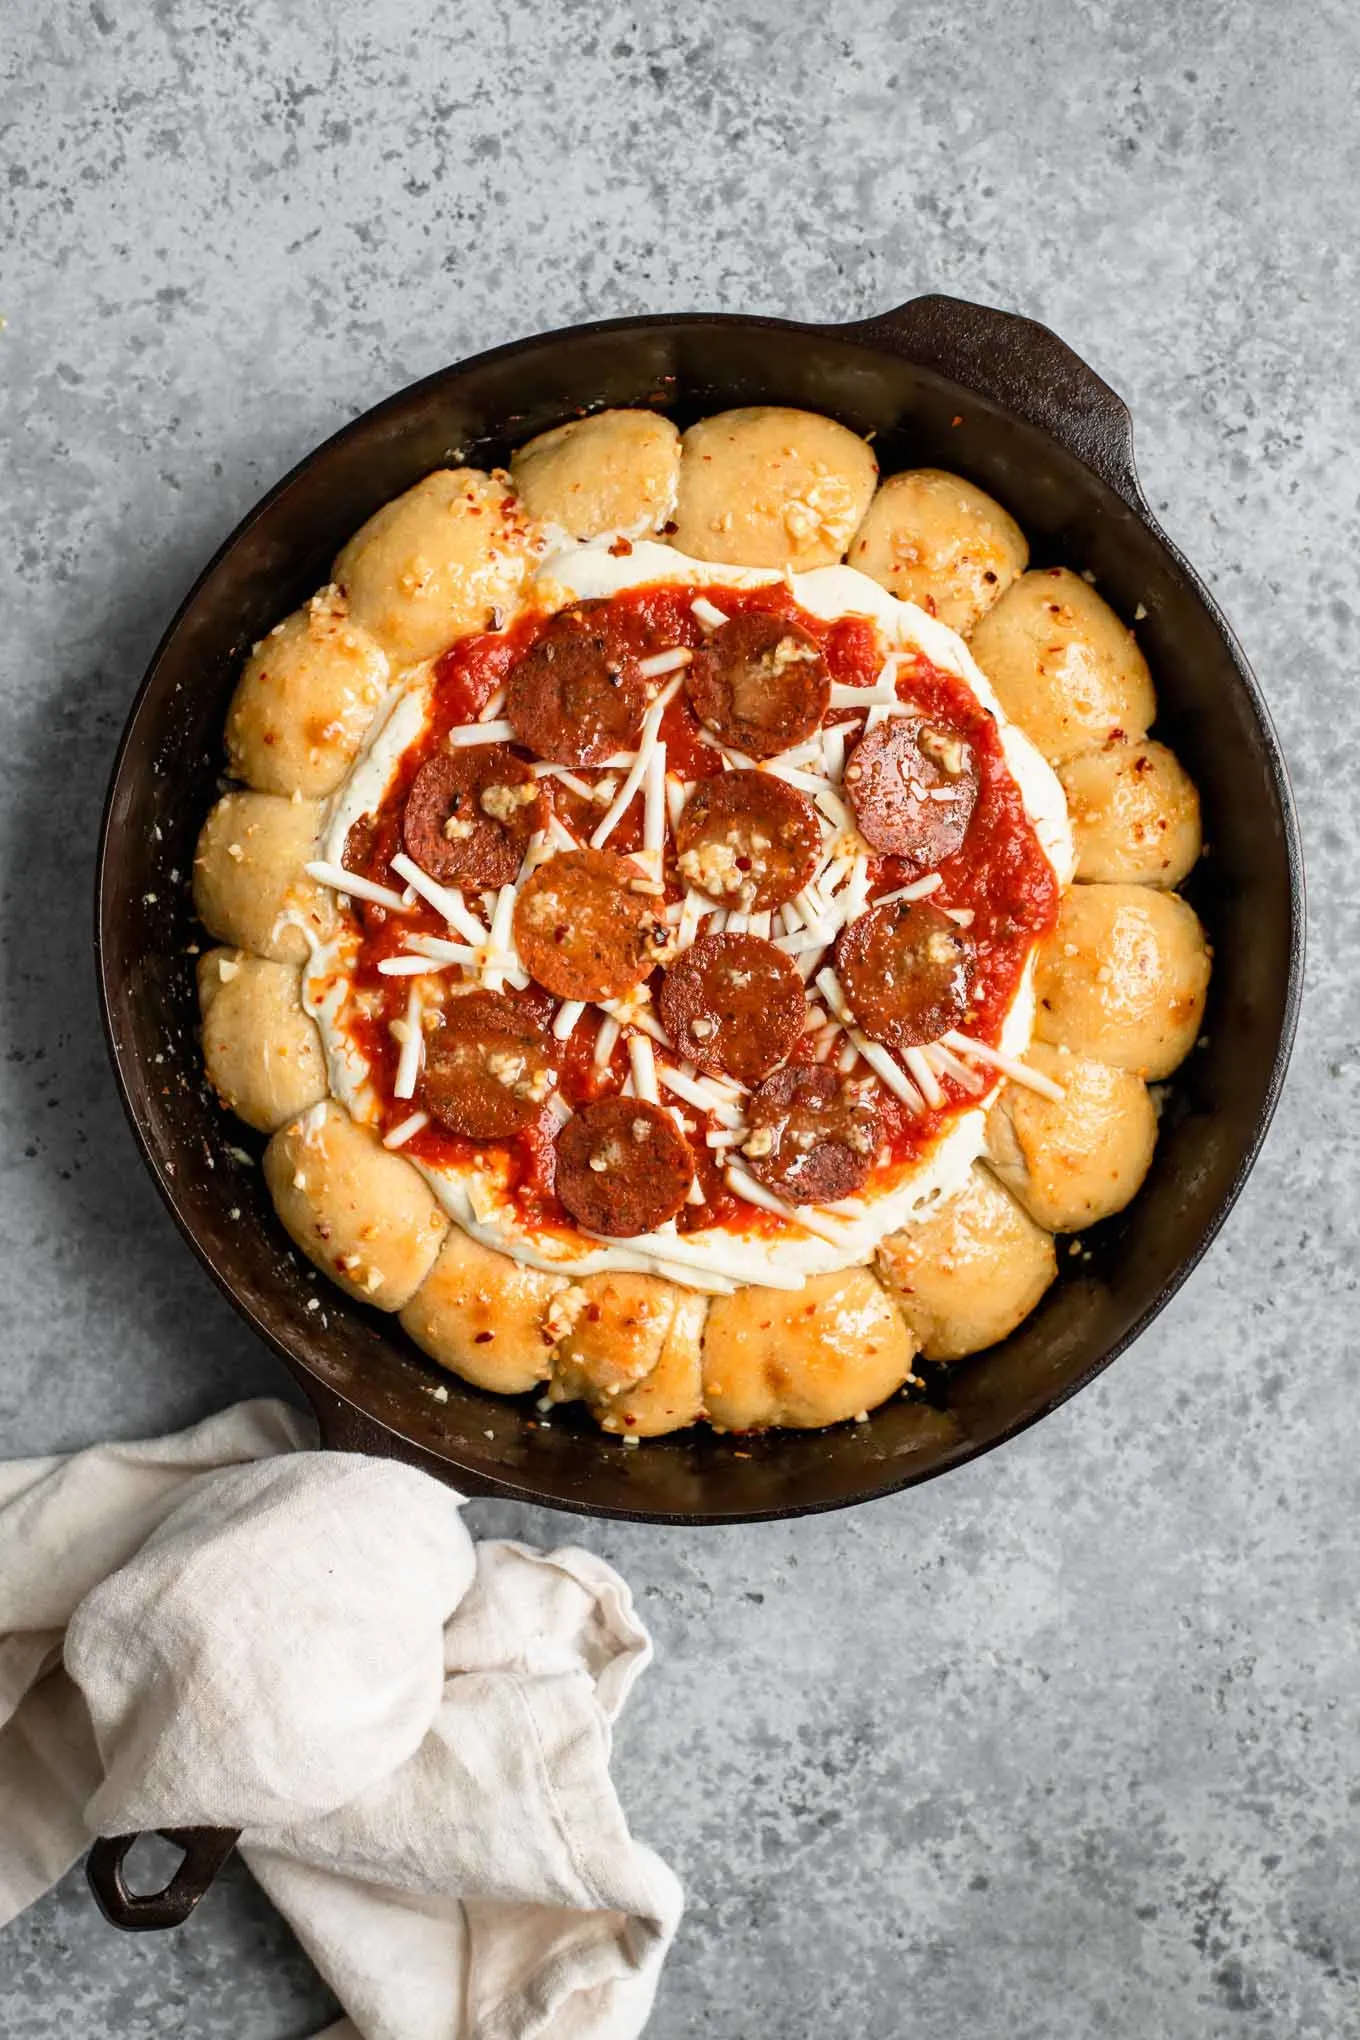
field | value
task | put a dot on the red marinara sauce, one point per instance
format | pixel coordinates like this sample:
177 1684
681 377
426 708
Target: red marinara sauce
1000 876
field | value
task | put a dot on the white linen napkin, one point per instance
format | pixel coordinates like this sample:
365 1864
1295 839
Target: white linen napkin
224 1629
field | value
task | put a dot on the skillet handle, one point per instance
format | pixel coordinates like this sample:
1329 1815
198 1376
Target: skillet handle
205 1851
1021 366
343 1428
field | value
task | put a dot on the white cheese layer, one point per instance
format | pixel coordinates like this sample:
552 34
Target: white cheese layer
476 1196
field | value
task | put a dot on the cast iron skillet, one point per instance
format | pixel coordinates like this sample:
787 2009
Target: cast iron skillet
938 382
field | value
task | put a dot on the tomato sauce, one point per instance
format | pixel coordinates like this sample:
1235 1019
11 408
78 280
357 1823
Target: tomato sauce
1000 876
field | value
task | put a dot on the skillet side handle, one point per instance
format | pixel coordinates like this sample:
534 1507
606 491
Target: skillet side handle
1022 366
205 1851
343 1428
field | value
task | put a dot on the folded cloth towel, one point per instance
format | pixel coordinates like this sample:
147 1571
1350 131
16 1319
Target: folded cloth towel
224 1629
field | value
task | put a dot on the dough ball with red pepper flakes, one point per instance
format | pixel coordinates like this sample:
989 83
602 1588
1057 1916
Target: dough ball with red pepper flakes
306 698
913 785
804 1357
747 840
905 971
733 1004
489 1069
470 814
933 539
438 563
615 471
575 698
623 1167
586 928
765 486
811 1138
1064 666
1134 813
760 683
1123 978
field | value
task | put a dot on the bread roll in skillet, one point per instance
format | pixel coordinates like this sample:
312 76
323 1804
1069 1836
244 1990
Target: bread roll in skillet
615 471
768 487
804 1357
1080 1159
483 1316
436 564
1066 669
1123 978
362 1215
261 1051
968 1275
305 700
934 539
632 1353
1134 813
250 886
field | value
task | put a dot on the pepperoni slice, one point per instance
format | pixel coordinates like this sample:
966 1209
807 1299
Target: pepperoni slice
470 814
760 683
812 1139
748 840
905 970
573 698
623 1167
583 931
488 1069
733 1004
913 784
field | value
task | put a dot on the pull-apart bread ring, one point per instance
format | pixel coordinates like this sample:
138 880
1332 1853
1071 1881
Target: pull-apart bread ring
676 975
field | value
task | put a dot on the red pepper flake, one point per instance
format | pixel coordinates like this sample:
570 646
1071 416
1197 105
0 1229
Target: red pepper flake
621 547
483 1338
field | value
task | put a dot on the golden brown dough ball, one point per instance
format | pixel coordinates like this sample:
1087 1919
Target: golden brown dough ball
613 472
631 1352
362 1215
483 1316
305 700
971 1272
1134 813
804 1357
1123 978
1064 666
437 564
1080 1160
250 885
766 487
261 1051
933 539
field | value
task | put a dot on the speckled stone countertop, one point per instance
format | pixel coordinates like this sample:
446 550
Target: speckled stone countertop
1064 1744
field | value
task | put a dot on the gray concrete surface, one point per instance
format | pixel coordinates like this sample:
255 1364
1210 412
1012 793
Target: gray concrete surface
1066 1744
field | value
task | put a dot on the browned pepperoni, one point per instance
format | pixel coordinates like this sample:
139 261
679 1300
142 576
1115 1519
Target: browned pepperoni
760 683
905 970
811 1137
488 1069
470 814
582 930
733 1004
623 1167
913 784
747 839
573 698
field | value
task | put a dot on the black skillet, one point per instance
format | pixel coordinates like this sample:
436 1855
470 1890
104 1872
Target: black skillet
938 382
